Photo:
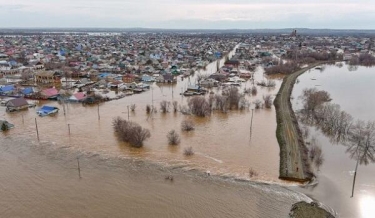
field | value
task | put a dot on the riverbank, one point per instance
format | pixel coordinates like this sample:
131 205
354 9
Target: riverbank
294 163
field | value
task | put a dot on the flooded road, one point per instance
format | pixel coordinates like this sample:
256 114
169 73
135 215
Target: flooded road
41 178
352 91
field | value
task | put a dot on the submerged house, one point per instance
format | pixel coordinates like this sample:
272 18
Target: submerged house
166 78
28 91
147 78
50 93
78 97
5 125
47 77
16 104
5 90
47 110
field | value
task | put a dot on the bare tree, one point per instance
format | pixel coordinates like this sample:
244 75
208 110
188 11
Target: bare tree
173 137
312 98
361 145
187 125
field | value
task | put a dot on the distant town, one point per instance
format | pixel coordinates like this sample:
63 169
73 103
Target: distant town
78 66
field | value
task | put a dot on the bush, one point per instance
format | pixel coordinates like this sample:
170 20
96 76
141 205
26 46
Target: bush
164 106
283 68
254 90
130 132
252 173
187 125
233 97
258 104
188 151
267 101
173 137
148 108
132 107
175 106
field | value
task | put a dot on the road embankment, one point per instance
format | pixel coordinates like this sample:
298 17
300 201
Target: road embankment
294 163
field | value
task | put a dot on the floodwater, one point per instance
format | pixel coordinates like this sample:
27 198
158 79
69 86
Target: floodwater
40 178
351 88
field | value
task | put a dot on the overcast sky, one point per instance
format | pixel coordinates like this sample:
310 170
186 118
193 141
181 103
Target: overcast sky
196 14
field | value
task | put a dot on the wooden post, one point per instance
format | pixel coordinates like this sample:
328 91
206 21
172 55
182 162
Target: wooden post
79 168
69 128
64 106
128 112
23 122
36 126
98 112
251 123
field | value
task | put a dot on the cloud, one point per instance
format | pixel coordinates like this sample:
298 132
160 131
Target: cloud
180 13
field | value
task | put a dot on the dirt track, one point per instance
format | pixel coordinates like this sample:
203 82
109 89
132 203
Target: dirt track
293 152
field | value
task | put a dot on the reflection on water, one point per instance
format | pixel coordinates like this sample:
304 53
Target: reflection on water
335 176
367 206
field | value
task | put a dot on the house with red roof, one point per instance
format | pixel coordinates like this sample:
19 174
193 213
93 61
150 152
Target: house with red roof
49 93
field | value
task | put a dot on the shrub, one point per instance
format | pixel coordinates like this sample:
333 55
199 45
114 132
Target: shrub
258 104
187 125
173 137
164 106
132 107
130 132
252 173
175 106
254 90
188 151
199 106
148 108
267 101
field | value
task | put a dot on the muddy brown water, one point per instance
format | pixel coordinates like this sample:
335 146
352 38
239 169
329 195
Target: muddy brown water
40 179
352 89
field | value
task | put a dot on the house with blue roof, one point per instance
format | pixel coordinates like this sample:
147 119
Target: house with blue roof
28 91
6 89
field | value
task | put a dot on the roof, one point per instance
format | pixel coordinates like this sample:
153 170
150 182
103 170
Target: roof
7 88
46 108
17 102
28 91
50 92
78 96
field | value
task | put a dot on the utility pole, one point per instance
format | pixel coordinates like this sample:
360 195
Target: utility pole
36 126
69 128
23 122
